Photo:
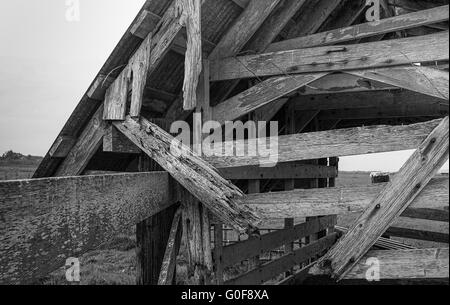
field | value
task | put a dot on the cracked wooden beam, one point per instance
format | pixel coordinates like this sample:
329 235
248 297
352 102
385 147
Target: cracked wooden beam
395 198
219 195
386 53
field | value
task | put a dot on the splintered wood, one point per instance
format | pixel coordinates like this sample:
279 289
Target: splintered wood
412 178
220 196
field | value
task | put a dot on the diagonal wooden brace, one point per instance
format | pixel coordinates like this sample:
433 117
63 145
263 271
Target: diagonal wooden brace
412 178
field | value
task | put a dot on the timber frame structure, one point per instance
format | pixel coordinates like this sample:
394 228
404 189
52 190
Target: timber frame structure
336 84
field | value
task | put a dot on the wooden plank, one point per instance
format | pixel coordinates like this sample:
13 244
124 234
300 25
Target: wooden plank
218 250
385 53
274 268
396 111
238 252
46 221
170 257
280 171
412 178
62 146
87 144
116 98
244 28
425 80
344 200
325 144
115 141
198 177
260 95
428 214
364 30
418 234
362 100
405 264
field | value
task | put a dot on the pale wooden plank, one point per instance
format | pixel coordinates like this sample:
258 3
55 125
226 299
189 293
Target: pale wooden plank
364 30
405 264
325 144
412 178
170 257
116 98
197 176
46 221
62 146
385 53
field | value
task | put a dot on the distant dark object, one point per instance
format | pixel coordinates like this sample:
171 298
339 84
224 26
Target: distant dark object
379 177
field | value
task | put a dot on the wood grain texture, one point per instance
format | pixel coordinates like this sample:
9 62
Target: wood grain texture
412 178
62 146
260 95
272 269
404 51
405 264
364 30
197 176
46 221
116 96
240 251
170 257
86 146
425 80
341 142
115 141
345 200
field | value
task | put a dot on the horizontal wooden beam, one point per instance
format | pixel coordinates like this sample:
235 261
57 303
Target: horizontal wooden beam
364 30
325 144
418 234
241 251
405 264
281 171
384 53
270 270
46 221
344 200
361 100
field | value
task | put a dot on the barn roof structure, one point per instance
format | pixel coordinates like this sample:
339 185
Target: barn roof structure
337 85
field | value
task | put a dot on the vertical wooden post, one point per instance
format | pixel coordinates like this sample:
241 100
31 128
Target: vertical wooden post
218 251
289 247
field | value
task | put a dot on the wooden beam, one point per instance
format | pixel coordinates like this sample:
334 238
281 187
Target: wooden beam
418 234
364 30
260 95
243 250
115 141
405 264
397 111
49 220
272 269
325 144
344 200
167 274
362 100
198 177
62 146
87 144
412 178
425 80
334 58
281 171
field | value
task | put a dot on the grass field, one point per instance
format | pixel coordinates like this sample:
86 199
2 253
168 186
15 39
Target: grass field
114 263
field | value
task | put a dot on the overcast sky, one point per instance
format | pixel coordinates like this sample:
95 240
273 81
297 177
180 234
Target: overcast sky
47 63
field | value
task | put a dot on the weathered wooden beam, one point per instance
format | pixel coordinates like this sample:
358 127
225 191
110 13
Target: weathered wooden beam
197 176
364 30
325 144
361 100
167 274
241 251
272 269
260 95
405 264
412 178
396 111
87 144
115 141
46 221
416 5
280 171
418 234
334 58
344 200
62 146
423 80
